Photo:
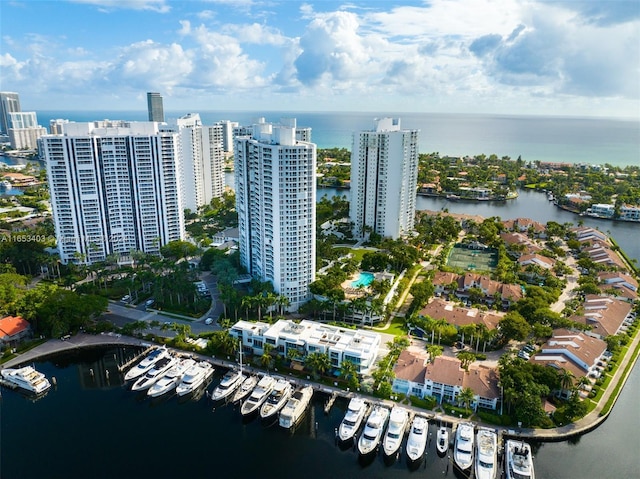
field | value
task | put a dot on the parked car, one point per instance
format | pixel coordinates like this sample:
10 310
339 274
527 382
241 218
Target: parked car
126 298
208 321
149 302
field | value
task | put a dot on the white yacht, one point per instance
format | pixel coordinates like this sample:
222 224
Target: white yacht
486 463
442 440
463 447
170 379
417 440
373 429
277 399
147 363
258 395
27 378
245 388
519 461
228 385
155 373
194 377
356 410
398 421
296 406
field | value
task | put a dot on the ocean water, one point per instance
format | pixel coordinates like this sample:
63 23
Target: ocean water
534 138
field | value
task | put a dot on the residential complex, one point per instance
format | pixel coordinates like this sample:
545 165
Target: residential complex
202 154
155 107
9 103
275 199
340 344
384 173
115 188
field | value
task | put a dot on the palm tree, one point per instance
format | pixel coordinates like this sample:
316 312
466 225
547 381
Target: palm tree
318 362
349 372
266 359
440 325
434 351
247 303
466 398
466 358
566 379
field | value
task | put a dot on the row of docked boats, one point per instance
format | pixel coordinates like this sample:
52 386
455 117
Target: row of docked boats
161 372
482 455
383 426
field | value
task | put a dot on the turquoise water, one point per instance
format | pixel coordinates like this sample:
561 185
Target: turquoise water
364 279
534 138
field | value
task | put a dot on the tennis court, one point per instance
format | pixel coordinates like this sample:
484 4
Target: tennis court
472 259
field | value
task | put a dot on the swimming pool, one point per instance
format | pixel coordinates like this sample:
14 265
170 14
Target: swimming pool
364 279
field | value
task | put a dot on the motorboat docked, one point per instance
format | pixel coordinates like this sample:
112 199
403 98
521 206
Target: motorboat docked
293 411
27 378
356 411
147 363
258 396
398 420
417 440
373 430
519 461
442 440
486 463
277 399
245 388
155 373
463 446
170 380
228 385
194 377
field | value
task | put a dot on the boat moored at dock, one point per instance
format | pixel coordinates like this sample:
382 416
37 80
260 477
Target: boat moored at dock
245 388
228 385
518 460
258 396
170 380
486 463
442 440
373 430
27 378
147 363
398 420
463 447
194 377
295 408
356 411
417 440
277 399
155 373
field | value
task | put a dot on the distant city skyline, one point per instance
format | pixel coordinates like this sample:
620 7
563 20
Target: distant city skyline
577 57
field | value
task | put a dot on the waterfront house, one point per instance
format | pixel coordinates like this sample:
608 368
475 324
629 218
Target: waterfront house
585 233
573 351
606 316
340 344
13 329
600 252
601 210
626 286
444 379
630 213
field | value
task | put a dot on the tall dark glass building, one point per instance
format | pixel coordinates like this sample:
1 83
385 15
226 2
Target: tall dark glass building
154 106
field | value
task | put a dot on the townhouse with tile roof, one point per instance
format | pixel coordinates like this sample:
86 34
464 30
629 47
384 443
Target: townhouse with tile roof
605 315
444 379
626 286
13 329
574 351
508 293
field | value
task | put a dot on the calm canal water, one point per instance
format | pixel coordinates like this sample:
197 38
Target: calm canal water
89 428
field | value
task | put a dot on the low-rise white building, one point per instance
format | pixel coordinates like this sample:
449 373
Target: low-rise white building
340 344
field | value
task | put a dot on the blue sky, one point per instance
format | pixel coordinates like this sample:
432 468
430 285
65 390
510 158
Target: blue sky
462 56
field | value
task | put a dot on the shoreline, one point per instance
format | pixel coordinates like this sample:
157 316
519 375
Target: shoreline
582 426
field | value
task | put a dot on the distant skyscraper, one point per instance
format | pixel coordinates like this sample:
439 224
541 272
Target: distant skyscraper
155 107
276 199
24 130
227 134
203 161
9 103
115 188
384 175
